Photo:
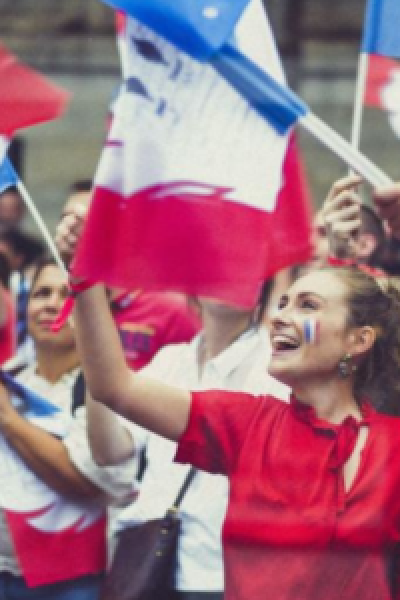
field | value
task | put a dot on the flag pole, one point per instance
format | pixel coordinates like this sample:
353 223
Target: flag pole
359 99
279 104
41 225
351 156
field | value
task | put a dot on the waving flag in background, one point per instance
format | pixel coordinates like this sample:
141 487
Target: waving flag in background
380 39
72 533
189 177
8 177
383 88
381 28
26 98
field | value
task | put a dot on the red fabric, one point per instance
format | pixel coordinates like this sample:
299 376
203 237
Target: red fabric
199 244
8 328
292 532
380 69
146 322
350 262
26 98
47 557
120 21
73 290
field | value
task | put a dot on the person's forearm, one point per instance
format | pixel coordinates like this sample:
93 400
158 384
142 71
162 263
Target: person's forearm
110 442
152 405
102 357
47 457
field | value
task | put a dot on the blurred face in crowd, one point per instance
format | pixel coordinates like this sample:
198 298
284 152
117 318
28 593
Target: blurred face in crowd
45 301
11 208
319 298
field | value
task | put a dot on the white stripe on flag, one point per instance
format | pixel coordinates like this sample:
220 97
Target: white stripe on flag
189 124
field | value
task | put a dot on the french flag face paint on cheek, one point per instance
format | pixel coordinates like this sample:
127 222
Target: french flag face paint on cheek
311 331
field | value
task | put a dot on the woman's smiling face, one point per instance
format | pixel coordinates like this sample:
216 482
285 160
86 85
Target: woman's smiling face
45 301
320 298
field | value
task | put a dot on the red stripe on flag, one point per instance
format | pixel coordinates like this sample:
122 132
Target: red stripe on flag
26 98
379 75
120 22
52 556
197 243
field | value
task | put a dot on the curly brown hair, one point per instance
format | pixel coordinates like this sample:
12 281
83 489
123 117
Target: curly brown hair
376 302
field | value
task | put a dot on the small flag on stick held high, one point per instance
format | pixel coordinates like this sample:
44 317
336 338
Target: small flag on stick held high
380 39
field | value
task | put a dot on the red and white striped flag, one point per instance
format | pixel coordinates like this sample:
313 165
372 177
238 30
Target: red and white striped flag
186 192
26 98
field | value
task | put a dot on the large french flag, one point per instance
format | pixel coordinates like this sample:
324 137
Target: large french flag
26 98
187 190
54 539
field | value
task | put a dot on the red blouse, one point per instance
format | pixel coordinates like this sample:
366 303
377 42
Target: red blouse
291 531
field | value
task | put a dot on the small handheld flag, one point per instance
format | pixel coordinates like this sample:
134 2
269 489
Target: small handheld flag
381 28
8 177
31 402
380 38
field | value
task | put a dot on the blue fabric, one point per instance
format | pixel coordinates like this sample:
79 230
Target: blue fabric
8 177
198 28
382 28
83 588
34 404
274 101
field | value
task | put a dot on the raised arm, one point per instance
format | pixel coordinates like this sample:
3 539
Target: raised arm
152 405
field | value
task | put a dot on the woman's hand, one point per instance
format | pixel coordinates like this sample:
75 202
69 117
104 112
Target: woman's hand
341 214
387 202
69 231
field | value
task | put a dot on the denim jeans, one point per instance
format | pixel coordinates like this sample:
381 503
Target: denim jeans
82 588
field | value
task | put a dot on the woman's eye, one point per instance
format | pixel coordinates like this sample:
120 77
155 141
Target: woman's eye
309 304
42 293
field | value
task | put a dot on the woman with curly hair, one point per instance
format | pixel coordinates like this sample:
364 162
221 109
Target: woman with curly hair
314 509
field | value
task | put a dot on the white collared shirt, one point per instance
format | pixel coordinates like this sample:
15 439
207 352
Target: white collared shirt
240 367
115 481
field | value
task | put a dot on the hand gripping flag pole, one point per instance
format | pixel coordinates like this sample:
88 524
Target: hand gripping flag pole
203 29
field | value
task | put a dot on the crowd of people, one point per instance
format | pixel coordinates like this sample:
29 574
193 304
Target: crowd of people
288 412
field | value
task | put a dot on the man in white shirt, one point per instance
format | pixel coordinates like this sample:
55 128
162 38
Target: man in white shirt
231 353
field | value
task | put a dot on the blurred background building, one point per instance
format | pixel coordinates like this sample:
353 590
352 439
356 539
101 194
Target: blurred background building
72 41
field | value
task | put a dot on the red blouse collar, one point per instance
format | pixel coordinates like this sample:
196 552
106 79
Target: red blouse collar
344 434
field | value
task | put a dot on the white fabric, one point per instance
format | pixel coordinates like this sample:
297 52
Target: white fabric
241 367
192 123
116 481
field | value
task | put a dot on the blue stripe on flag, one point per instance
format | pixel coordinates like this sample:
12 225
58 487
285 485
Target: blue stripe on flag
382 28
274 101
198 27
34 403
8 177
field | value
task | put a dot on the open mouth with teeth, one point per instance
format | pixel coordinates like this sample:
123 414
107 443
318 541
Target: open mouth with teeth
282 343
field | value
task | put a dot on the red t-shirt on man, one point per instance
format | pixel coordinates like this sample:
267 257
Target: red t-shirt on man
148 321
292 532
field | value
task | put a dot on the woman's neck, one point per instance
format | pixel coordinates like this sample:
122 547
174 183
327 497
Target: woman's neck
52 365
332 400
